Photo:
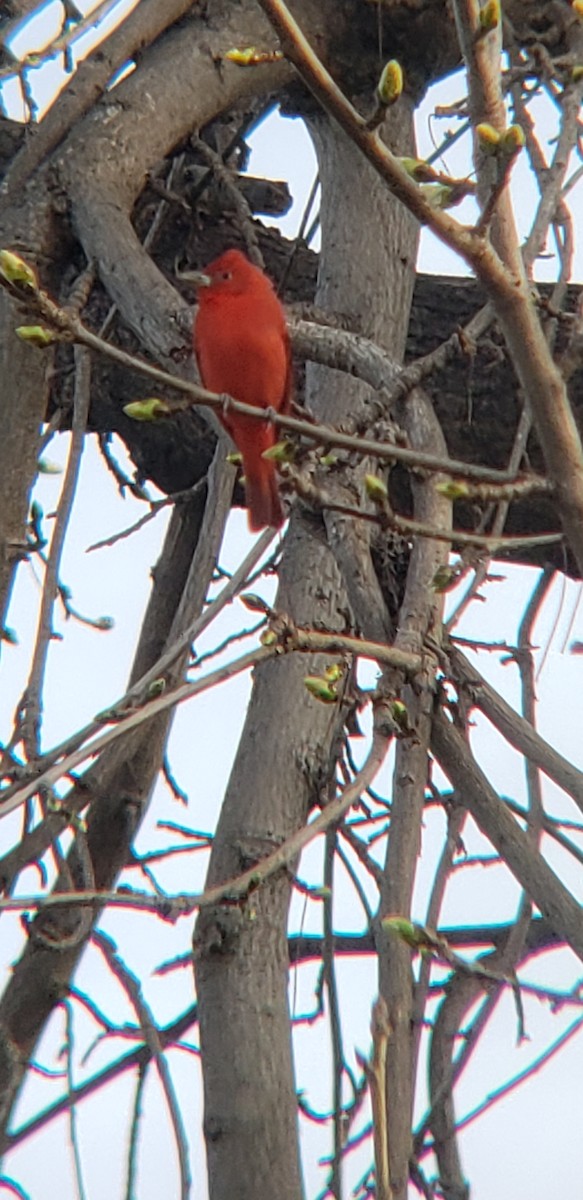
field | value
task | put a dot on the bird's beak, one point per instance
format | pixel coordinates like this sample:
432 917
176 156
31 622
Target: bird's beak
198 279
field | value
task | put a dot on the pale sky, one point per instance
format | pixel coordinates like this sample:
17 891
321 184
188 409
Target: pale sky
501 1156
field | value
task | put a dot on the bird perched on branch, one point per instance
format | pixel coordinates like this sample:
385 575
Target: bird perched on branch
242 348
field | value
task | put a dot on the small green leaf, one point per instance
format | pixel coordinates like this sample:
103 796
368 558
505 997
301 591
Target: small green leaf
282 452
16 270
320 689
376 489
403 928
423 940
235 459
453 489
147 410
334 672
36 335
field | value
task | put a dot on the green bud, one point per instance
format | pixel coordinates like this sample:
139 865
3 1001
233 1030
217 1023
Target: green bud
16 270
490 16
417 169
488 138
440 195
46 467
254 602
320 689
453 489
147 410
405 929
376 489
399 714
108 716
328 460
282 452
577 73
243 58
235 459
445 578
268 638
156 688
416 936
251 57
390 84
512 140
37 335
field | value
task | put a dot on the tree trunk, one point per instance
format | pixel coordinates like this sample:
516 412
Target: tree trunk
290 742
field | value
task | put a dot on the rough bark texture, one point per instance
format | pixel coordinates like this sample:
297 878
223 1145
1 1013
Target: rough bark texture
288 743
25 391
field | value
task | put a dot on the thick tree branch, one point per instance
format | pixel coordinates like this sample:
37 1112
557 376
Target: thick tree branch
515 729
541 883
506 284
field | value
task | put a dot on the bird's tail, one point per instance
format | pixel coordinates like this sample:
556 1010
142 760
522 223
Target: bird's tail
263 502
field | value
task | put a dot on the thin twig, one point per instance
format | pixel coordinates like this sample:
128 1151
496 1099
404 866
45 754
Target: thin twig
163 664
137 1113
131 986
72 1107
32 699
376 1074
358 352
138 1057
227 179
231 890
331 984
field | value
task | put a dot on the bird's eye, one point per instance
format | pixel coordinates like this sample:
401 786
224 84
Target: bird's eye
226 275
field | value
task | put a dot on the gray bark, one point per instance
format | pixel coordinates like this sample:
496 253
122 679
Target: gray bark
290 742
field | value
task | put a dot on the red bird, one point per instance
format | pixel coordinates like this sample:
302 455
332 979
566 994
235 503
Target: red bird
242 348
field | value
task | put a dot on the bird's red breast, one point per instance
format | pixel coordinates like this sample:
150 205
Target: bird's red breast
242 348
